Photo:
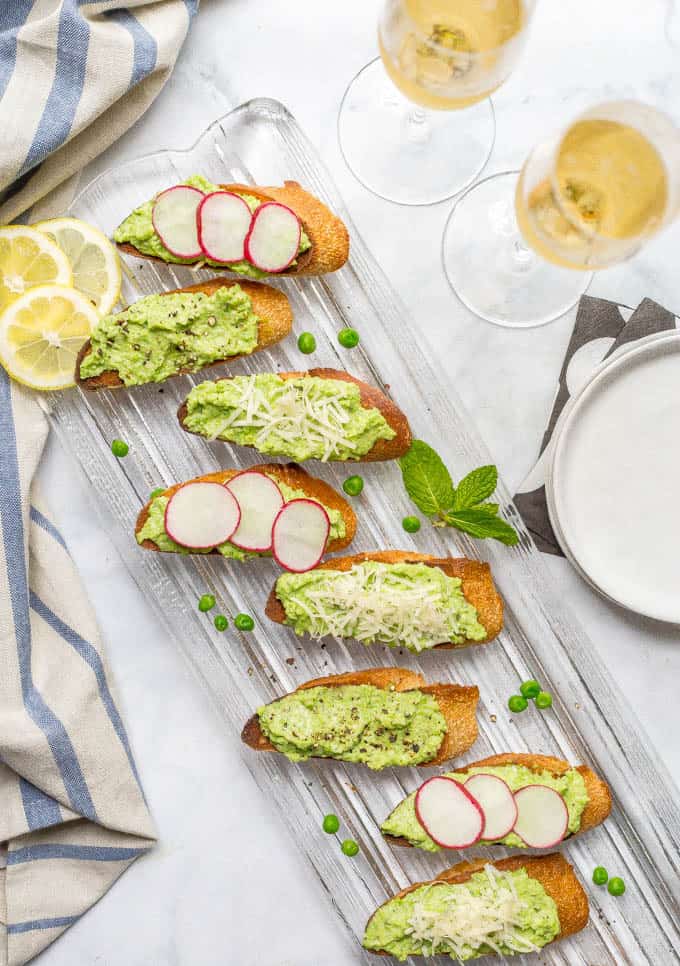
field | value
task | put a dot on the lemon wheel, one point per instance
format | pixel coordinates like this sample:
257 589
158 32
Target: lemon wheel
93 259
29 258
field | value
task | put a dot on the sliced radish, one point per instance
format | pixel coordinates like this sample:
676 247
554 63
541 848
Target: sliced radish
542 816
300 534
174 220
201 515
497 802
274 237
260 500
223 223
450 815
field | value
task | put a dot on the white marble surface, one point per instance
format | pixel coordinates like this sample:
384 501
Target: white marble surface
226 884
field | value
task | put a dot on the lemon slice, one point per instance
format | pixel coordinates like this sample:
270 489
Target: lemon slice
41 333
93 259
29 258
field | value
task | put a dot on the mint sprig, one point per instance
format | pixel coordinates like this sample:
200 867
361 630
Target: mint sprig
430 486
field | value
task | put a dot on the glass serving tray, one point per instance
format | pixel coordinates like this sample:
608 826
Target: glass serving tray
260 142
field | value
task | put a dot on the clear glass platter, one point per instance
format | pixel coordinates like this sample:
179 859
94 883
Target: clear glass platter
260 142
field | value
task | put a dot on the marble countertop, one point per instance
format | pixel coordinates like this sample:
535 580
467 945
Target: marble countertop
226 883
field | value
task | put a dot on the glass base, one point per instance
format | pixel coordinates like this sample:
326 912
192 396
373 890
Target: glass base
407 154
490 268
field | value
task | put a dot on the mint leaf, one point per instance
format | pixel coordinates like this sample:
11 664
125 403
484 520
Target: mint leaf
475 487
427 480
478 523
488 509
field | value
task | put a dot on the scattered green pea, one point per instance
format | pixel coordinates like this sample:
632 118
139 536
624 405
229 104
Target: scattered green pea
616 886
156 492
221 623
206 603
411 524
306 343
349 847
543 700
353 485
517 703
530 689
348 338
600 875
331 824
119 448
244 622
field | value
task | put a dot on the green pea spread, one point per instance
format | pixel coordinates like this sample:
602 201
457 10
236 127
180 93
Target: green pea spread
138 230
304 418
159 335
154 527
402 821
403 604
506 913
355 722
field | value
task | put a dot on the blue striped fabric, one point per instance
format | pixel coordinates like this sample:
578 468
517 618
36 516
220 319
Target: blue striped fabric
146 49
41 810
96 853
56 922
41 520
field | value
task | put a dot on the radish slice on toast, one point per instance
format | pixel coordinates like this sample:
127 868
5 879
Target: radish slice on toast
300 534
542 816
174 220
450 815
260 501
497 802
201 515
223 223
274 237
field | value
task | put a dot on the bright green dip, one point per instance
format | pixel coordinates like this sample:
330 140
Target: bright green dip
402 821
304 418
154 527
510 909
138 230
159 335
403 604
355 722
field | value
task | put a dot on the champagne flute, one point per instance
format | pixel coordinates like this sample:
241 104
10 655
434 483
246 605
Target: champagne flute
587 198
396 128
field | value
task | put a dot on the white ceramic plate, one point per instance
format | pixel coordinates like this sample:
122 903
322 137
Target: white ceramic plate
614 486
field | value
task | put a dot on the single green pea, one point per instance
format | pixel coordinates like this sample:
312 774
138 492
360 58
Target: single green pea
206 603
616 886
119 448
331 823
221 623
530 689
349 847
348 338
543 700
600 875
156 492
517 703
353 485
306 343
411 524
244 622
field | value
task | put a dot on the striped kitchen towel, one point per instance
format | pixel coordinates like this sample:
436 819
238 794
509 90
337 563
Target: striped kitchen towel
72 810
75 75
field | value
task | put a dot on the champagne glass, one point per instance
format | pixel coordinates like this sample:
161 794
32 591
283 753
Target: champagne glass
397 128
519 248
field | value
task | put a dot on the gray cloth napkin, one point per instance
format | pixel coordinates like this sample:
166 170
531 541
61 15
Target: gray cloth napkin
601 329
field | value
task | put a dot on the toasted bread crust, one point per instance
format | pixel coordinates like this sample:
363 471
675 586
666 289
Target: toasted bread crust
457 703
371 398
292 475
477 586
275 320
599 797
553 872
327 233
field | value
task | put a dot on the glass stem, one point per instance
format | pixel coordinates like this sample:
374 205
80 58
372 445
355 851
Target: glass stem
417 126
522 256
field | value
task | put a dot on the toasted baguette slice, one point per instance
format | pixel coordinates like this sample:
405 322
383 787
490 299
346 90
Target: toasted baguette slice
327 233
371 398
456 702
477 586
292 475
275 320
553 872
599 798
